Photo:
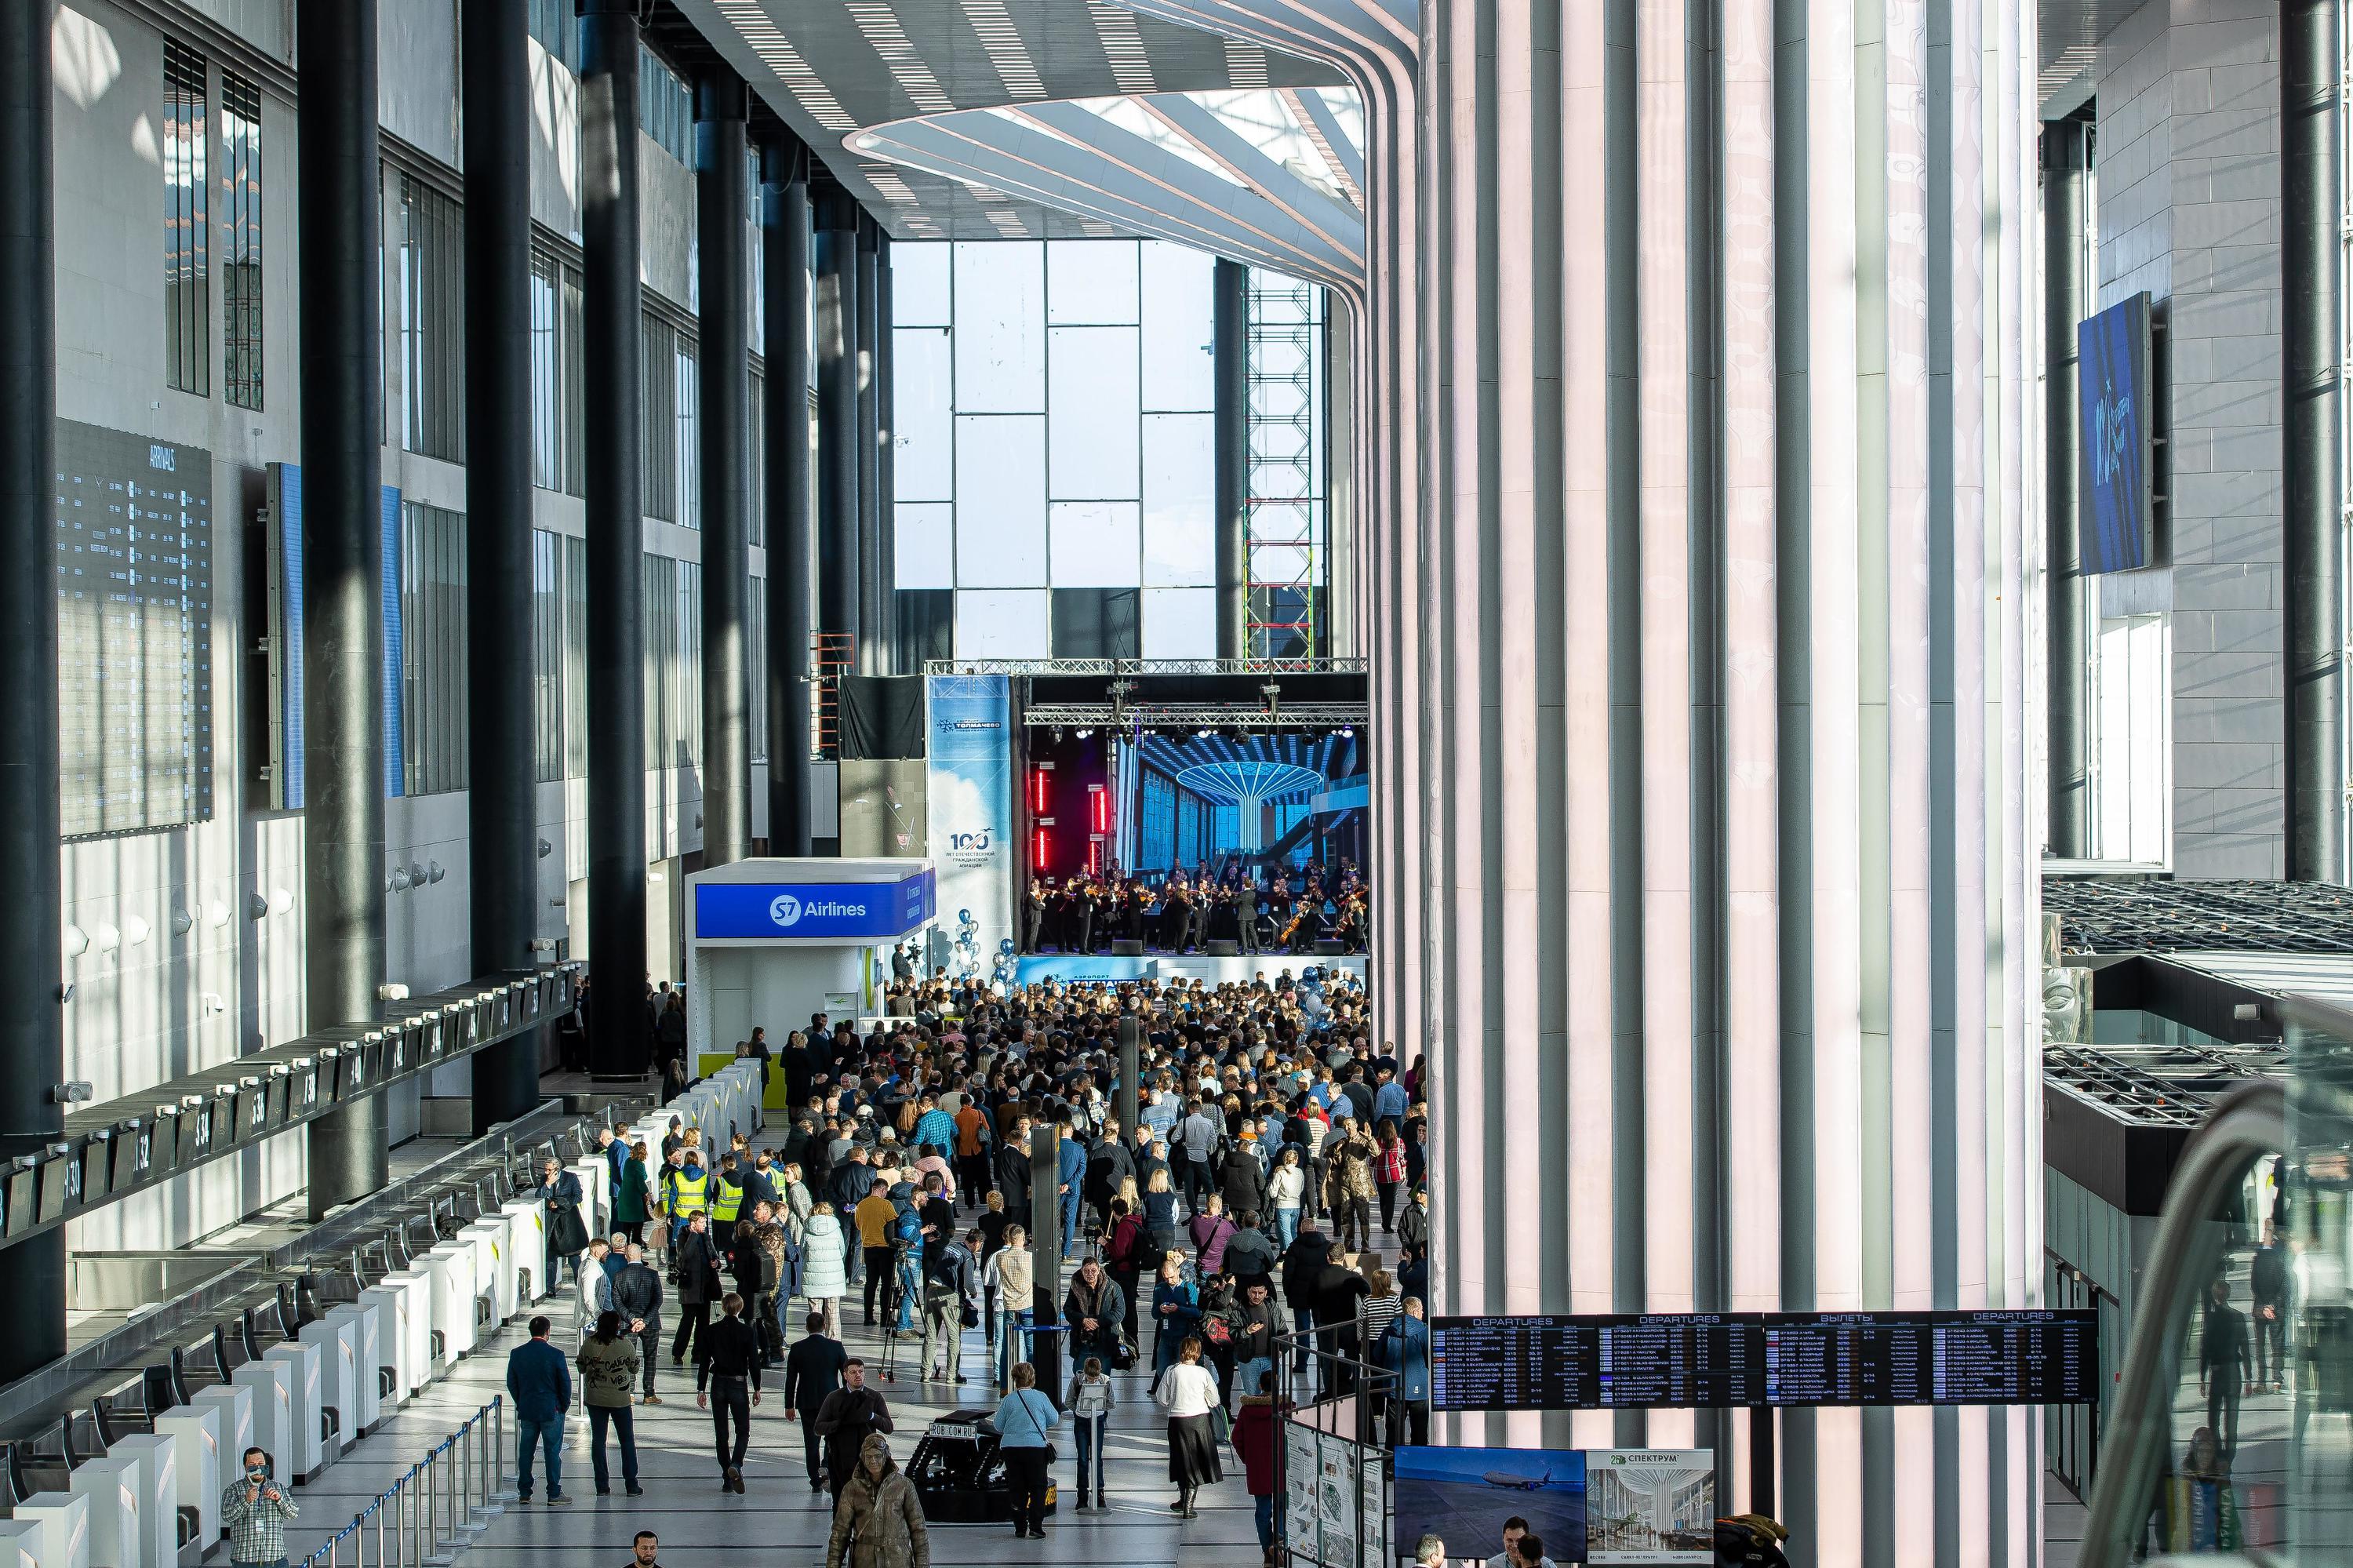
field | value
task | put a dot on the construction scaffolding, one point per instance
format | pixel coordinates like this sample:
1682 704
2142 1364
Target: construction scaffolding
1285 556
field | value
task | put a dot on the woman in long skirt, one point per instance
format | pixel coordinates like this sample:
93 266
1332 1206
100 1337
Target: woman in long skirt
1188 1392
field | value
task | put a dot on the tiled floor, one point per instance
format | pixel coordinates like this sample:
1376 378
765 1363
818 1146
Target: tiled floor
779 1517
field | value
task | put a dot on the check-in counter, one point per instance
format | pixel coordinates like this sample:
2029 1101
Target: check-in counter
63 1518
336 1344
501 1260
527 1227
365 1323
118 1537
154 1464
451 1266
307 1455
272 1385
233 1402
404 1328
21 1542
596 1193
196 1433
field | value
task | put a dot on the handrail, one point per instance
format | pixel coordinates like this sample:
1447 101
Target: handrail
430 1521
2249 1123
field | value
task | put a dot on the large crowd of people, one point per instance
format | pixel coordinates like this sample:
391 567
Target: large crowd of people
1289 910
1273 1185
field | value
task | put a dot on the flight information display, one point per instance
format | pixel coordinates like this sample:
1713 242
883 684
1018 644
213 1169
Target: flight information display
134 631
1701 1360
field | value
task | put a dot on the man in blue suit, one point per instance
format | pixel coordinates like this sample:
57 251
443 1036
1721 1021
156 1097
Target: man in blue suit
539 1380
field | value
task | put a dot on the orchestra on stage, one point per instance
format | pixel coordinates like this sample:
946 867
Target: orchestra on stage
1282 910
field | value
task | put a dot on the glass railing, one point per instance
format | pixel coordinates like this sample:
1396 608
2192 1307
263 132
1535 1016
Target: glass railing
2230 1435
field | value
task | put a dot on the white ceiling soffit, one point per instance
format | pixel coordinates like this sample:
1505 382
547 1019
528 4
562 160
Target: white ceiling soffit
1352 30
833 67
1071 157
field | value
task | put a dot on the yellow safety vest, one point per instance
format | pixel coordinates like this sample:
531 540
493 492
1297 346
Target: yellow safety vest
730 1202
688 1194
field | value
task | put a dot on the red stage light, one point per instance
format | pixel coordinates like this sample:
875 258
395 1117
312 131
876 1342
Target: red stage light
1038 852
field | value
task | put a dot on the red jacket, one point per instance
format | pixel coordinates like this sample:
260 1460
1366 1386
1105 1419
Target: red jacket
1254 1439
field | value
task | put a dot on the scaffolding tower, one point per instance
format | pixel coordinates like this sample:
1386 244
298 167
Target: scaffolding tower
1284 513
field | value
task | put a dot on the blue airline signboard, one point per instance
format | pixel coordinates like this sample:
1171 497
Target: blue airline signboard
812 911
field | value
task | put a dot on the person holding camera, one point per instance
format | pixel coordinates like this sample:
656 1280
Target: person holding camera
255 1509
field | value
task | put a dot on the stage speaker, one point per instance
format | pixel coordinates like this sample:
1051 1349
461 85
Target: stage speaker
1225 947
1126 950
1326 947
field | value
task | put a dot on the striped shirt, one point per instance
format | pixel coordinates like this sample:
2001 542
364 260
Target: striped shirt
1377 1312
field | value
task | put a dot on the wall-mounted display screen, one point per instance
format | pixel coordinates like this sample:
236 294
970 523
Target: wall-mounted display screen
134 631
2113 410
1722 1362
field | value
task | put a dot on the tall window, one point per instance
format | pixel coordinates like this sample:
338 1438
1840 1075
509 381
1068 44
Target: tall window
673 626
557 379
665 107
756 666
667 484
575 659
556 25
241 267
687 403
548 653
756 411
432 649
188 300
432 322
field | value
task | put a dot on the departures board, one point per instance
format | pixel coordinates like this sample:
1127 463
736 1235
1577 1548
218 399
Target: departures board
134 631
1725 1361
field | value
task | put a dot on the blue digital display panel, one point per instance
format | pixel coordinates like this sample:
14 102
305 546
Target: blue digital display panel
2112 382
821 911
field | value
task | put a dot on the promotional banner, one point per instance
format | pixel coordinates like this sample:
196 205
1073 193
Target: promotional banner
969 788
1650 1505
1465 1497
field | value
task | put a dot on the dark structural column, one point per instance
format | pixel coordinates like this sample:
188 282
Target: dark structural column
618 1038
723 256
886 483
32 910
792 532
343 567
1230 350
2070 675
837 435
503 765
2312 294
873 648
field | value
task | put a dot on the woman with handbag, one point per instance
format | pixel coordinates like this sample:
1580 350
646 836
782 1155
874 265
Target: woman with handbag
560 1198
1189 1394
1022 1419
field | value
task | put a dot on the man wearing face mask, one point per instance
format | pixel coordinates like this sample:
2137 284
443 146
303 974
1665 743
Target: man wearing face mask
256 1510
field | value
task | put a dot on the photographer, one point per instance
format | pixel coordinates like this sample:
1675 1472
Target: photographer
254 1510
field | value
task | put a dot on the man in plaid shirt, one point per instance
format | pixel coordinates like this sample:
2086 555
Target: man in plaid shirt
256 1510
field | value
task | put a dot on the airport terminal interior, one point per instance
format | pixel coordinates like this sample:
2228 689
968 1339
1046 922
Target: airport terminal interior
1321 783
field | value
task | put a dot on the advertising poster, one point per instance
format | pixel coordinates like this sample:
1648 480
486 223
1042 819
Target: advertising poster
1372 1509
1301 1465
969 811
1650 1505
1463 1495
1336 1501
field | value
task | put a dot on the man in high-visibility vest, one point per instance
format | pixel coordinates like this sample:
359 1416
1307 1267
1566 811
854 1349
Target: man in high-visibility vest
726 1197
686 1191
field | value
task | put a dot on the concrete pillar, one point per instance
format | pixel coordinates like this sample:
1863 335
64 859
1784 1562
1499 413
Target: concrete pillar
502 801
723 256
792 538
838 464
619 1041
2066 300
873 646
32 1061
341 360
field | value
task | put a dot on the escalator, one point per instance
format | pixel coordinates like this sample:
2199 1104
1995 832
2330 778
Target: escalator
2229 1436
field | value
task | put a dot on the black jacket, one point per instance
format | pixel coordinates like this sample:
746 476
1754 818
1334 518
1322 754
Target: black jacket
812 1370
1013 1178
1242 1184
698 1268
1301 1265
731 1347
638 1293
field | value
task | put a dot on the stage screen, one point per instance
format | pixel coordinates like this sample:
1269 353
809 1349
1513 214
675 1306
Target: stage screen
1463 1496
2111 379
1193 799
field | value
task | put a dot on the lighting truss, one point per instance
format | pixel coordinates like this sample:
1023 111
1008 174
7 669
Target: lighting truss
1189 717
